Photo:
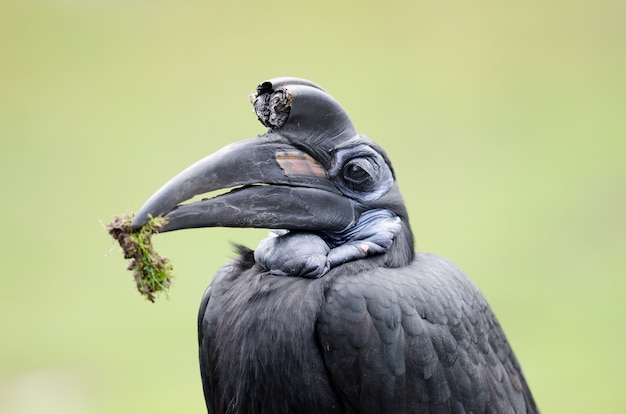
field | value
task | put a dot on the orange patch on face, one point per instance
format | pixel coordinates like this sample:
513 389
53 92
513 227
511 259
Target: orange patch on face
299 163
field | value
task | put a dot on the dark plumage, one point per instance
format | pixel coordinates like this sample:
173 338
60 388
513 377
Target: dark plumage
334 312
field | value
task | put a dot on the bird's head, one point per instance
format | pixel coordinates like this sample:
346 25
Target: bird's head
311 172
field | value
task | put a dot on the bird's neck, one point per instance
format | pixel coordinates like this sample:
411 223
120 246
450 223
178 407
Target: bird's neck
382 231
402 251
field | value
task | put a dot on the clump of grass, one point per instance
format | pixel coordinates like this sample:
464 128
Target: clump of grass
152 273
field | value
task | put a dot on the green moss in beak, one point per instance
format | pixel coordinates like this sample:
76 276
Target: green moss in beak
152 273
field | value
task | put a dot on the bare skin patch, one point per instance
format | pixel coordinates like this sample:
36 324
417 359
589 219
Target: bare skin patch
299 163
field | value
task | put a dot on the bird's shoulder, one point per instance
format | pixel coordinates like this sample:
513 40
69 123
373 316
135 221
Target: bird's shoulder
426 333
430 287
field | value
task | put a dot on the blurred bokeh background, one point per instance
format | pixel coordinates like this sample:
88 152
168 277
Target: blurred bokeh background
505 120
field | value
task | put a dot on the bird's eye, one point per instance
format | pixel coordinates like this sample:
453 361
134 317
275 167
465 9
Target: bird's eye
355 173
358 174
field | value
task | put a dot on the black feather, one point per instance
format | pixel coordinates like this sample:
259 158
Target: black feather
362 339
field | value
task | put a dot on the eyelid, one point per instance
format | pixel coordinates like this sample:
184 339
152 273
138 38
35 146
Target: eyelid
359 162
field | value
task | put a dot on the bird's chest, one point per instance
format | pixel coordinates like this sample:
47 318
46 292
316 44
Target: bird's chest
258 343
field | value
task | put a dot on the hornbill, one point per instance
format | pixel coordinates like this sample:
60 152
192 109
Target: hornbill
334 312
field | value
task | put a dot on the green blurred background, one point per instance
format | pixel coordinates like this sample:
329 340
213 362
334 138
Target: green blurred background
505 121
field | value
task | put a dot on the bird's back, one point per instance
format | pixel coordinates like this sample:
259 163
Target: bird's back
361 339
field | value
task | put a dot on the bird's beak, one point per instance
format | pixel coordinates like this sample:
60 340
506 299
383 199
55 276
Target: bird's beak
272 185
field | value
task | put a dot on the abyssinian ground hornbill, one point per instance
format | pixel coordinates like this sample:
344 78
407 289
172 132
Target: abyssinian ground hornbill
334 312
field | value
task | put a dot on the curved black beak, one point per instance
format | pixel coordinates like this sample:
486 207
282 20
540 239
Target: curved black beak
275 186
